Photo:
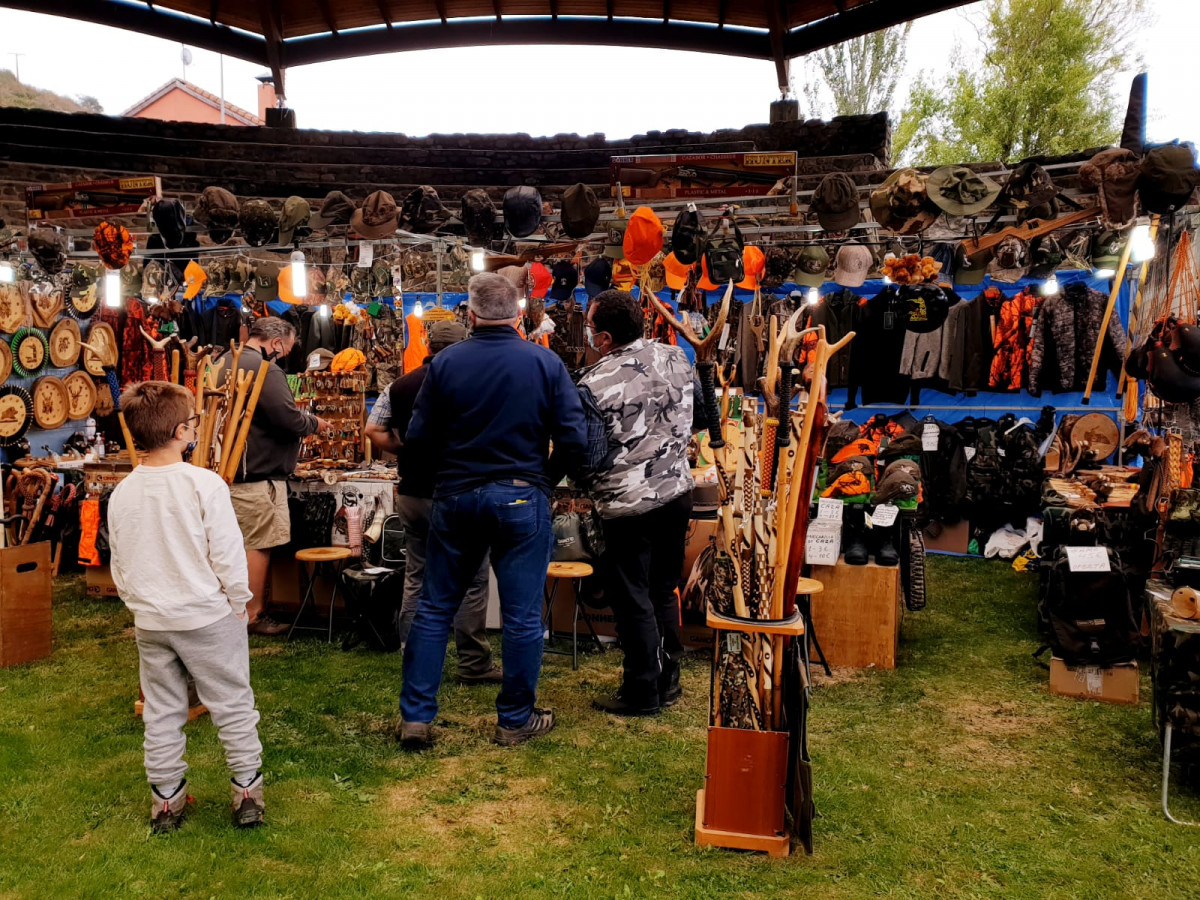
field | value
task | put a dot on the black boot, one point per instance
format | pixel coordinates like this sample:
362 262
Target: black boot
669 690
886 553
853 538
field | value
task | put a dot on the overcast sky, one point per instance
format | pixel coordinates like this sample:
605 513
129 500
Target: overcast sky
539 90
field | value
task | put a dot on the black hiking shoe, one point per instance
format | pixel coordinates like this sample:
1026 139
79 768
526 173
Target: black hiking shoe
620 705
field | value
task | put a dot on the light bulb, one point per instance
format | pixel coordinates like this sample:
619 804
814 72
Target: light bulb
1141 248
886 280
299 275
477 261
7 274
521 303
324 311
812 298
1104 273
418 310
1050 287
112 288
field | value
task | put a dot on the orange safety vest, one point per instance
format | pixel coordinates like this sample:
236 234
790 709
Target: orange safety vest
417 348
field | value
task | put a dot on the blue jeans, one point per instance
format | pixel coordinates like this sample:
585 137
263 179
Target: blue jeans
512 521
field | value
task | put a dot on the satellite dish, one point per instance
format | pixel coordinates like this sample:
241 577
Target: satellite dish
186 56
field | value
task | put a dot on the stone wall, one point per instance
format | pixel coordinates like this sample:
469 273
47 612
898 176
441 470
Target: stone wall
43 146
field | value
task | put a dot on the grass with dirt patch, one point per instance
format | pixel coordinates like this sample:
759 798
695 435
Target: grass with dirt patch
955 776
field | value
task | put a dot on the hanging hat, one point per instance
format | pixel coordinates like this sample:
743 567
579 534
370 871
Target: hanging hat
901 203
131 279
901 481
566 279
623 275
518 275
970 269
113 244
675 272
423 210
1028 188
597 277
478 216
336 209
1077 251
1107 249
258 222
811 265
961 192
171 222
522 210
541 280
778 267
376 218
217 209
851 265
1167 178
1046 257
656 273
1113 175
49 248
194 277
266 282
835 201
1011 262
754 264
580 211
687 235
293 220
643 236
614 246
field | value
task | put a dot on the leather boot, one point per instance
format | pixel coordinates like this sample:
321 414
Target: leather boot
853 537
886 553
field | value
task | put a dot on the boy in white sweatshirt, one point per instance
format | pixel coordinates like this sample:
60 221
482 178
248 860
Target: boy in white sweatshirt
179 565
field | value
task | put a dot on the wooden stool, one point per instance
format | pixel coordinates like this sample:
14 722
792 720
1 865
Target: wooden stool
576 572
317 556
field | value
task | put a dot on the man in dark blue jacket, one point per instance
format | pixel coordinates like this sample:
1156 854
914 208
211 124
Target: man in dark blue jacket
484 420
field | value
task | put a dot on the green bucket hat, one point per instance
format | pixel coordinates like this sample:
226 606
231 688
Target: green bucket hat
960 192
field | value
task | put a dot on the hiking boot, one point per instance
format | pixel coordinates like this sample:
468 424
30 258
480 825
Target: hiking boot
415 735
669 690
856 552
247 803
540 722
886 553
621 705
494 675
166 813
266 626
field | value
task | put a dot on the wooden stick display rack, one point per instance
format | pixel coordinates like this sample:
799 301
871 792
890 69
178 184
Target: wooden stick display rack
341 400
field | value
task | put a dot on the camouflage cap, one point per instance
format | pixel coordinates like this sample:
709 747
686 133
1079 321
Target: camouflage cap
83 277
49 248
266 282
478 216
1027 187
423 211
153 279
258 222
901 203
293 220
217 209
131 279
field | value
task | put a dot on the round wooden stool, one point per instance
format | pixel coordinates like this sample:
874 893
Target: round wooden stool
576 572
319 556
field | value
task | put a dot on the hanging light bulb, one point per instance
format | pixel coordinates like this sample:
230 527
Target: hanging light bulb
7 274
299 275
812 298
1104 273
1141 247
521 303
324 311
477 261
886 280
1050 286
419 310
112 288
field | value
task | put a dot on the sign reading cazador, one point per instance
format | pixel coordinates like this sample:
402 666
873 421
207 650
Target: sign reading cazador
76 199
679 175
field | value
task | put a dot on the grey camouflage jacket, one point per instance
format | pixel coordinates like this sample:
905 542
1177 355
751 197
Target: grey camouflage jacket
644 391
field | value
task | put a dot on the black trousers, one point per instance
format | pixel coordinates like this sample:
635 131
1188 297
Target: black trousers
643 565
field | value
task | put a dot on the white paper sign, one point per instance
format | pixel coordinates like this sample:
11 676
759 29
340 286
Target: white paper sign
929 437
1088 559
822 545
884 515
366 254
829 508
1094 678
969 452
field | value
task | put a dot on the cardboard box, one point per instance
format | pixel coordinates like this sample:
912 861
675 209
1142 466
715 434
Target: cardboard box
98 581
25 627
941 538
1116 684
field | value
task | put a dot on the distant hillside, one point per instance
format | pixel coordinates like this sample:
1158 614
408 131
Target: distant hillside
14 93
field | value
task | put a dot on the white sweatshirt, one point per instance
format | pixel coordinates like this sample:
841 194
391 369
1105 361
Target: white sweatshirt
178 559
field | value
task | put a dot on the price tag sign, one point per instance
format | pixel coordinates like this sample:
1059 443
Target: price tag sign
969 452
929 437
885 515
366 254
821 546
1088 559
733 642
829 508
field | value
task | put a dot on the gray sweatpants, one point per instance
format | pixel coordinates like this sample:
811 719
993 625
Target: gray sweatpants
218 658
470 623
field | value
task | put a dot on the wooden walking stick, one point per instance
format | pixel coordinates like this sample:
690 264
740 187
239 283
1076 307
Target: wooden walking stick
1124 382
230 463
1118 280
706 353
133 454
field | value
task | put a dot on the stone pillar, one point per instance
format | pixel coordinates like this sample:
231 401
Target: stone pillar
785 110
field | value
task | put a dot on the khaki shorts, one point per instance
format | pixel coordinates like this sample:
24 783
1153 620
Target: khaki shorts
261 508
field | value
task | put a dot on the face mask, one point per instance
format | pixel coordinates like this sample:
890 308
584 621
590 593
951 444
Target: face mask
591 338
272 356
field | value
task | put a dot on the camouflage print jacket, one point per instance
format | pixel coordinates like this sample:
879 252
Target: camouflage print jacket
644 390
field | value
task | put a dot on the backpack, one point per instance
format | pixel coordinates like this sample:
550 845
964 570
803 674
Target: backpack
373 602
687 238
602 450
1086 618
723 254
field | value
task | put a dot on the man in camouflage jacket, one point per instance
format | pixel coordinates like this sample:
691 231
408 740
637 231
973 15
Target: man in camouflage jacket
644 391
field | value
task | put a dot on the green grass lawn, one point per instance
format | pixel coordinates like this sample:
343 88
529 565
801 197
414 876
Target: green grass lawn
957 775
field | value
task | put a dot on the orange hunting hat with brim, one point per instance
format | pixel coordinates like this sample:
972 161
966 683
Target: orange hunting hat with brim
677 272
754 262
643 236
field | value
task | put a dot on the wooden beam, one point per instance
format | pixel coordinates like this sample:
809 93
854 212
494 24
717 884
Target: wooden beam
327 15
776 11
862 19
268 13
666 11
441 9
554 10
213 10
721 11
385 10
609 7
496 7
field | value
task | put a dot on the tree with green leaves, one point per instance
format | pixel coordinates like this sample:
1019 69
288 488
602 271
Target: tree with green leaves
860 74
1042 83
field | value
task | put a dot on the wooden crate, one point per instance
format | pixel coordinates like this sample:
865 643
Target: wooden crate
856 619
25 619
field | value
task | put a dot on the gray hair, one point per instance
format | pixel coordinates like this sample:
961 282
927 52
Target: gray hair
268 328
493 297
